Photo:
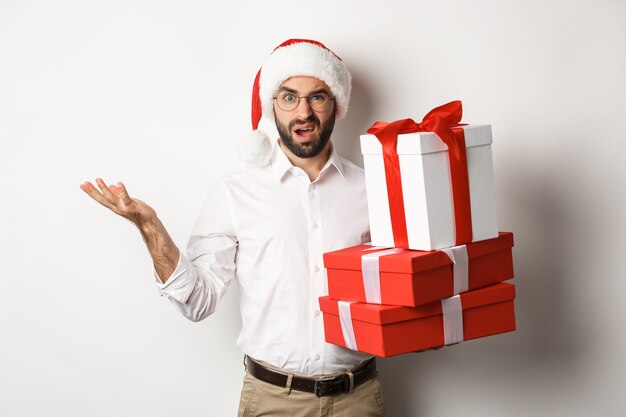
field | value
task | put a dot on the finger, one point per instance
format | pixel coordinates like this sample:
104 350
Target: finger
115 190
123 193
93 192
105 191
90 189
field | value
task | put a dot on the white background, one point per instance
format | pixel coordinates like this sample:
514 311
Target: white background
157 93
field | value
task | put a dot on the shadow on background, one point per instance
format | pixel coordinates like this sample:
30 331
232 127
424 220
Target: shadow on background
360 116
546 341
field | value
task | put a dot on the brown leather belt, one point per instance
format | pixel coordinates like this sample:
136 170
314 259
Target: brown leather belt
319 386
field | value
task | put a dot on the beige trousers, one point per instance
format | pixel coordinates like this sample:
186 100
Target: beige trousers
259 398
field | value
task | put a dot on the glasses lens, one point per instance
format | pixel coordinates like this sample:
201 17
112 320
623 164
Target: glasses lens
287 101
319 102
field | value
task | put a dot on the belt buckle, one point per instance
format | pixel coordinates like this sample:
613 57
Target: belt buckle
326 386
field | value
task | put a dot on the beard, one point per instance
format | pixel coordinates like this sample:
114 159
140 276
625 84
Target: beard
308 149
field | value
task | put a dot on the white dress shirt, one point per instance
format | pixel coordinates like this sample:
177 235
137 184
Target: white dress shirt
269 228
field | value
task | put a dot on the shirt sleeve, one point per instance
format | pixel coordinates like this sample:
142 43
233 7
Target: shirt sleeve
202 277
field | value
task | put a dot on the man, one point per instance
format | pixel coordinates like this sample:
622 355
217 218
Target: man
268 225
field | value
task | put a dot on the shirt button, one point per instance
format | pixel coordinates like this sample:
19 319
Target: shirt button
317 357
312 187
317 268
317 313
314 225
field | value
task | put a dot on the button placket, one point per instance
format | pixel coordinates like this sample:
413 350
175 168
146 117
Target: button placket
316 279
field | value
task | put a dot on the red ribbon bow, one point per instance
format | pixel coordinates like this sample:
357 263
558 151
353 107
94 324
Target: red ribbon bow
440 120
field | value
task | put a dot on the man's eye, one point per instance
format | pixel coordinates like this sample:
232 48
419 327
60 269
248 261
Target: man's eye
289 97
319 97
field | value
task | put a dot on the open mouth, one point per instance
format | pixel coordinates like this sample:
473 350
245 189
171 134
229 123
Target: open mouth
305 132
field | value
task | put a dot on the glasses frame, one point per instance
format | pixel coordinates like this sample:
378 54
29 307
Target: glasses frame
307 101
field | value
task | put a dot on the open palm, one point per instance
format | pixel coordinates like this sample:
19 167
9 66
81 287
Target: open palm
116 198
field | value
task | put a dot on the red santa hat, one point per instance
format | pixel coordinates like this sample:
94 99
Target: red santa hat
294 57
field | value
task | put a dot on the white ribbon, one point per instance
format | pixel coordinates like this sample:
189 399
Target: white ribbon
345 318
370 266
452 320
458 256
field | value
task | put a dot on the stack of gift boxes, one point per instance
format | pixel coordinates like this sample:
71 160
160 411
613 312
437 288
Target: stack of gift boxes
433 273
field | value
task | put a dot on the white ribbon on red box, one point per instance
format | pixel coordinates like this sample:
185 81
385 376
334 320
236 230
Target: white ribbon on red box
460 271
452 320
370 270
452 309
345 318
370 267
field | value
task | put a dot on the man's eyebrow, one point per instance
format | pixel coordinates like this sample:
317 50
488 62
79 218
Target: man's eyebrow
319 90
291 90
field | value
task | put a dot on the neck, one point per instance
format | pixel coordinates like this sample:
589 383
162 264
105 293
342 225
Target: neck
312 166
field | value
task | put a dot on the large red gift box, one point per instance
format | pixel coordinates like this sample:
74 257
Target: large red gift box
412 278
384 330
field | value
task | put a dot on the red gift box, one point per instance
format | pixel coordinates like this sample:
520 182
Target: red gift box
384 330
412 278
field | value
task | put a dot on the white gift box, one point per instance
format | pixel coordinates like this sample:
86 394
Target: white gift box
427 190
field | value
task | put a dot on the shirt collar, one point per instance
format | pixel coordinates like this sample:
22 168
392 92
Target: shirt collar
280 164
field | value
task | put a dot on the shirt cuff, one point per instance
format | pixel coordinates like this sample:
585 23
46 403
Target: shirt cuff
180 283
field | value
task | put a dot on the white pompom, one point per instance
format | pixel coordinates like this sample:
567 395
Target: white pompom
255 148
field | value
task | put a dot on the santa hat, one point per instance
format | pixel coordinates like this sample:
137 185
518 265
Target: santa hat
294 57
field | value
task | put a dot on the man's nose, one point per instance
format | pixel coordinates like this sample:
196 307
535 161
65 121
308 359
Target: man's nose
304 109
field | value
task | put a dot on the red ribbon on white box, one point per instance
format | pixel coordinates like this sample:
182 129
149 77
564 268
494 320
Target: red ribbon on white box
345 318
452 320
439 120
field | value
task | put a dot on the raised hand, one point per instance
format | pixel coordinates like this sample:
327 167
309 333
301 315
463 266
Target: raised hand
116 198
164 252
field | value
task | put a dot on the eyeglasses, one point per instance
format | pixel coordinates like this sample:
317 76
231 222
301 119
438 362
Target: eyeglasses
288 101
